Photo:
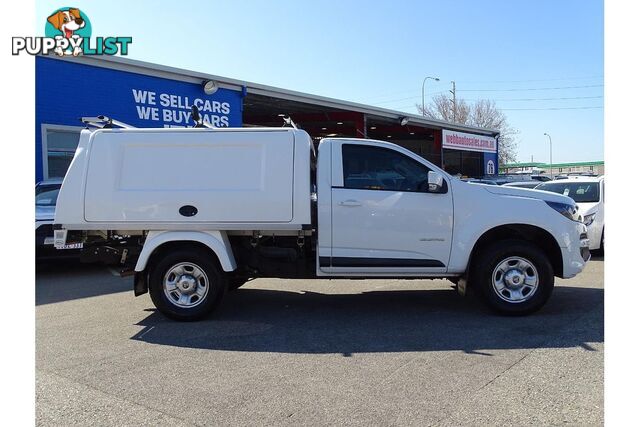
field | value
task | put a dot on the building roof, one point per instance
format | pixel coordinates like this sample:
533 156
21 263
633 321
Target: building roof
555 165
147 68
523 165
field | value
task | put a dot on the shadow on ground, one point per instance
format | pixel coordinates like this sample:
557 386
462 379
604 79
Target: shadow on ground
262 320
68 279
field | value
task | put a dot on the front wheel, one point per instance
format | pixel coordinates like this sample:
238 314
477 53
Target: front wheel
186 284
514 277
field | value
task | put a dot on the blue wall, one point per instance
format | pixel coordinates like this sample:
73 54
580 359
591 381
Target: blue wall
66 91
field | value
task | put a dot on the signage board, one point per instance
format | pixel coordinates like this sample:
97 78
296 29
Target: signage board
469 142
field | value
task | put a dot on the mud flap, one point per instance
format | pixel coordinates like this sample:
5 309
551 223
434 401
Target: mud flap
461 286
140 284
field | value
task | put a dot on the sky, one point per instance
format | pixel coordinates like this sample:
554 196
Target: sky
541 61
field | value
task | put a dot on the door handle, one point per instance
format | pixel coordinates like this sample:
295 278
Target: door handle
350 203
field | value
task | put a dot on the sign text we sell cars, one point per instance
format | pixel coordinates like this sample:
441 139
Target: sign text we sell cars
175 110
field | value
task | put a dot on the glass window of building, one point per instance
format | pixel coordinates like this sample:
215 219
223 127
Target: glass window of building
61 145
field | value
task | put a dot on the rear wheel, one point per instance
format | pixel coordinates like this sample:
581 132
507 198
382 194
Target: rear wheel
186 284
514 277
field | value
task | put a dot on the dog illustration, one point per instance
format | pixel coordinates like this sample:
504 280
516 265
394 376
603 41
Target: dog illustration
67 22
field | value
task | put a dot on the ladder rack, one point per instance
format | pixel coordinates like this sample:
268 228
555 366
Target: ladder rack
104 122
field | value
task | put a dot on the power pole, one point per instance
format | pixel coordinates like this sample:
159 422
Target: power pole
453 92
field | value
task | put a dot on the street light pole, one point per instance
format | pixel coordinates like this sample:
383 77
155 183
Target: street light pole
423 82
550 153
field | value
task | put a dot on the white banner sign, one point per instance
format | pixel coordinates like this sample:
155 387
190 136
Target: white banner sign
468 141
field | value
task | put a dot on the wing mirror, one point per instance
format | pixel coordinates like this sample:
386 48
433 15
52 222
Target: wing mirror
436 182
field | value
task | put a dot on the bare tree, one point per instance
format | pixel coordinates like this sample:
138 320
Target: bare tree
483 113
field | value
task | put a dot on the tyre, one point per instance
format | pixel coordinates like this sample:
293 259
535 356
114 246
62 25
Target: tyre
186 284
514 277
600 250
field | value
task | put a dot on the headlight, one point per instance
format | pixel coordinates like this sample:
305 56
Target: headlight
588 219
565 209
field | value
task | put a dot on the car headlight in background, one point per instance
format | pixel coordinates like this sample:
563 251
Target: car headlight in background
588 219
565 209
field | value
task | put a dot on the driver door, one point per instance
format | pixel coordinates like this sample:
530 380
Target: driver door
384 220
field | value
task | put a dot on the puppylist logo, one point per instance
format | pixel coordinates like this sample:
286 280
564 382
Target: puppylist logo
68 32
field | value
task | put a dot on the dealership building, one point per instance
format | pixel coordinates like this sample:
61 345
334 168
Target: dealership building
149 95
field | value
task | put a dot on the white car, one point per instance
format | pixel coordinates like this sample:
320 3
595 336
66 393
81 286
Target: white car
215 207
522 184
588 193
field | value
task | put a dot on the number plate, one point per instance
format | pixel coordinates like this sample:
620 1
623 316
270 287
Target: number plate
71 246
51 241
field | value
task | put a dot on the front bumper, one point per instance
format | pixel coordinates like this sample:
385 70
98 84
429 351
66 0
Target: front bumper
594 232
576 254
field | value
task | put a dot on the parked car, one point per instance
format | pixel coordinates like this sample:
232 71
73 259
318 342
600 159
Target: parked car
588 193
541 178
523 184
480 181
521 177
46 197
583 174
216 207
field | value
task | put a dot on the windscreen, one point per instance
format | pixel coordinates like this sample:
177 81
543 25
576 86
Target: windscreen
580 192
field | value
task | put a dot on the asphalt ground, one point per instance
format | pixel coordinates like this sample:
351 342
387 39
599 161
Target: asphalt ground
292 352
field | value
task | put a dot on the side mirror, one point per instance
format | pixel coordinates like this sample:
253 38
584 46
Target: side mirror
436 182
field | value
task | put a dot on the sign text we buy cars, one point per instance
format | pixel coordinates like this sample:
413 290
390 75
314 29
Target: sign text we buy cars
175 110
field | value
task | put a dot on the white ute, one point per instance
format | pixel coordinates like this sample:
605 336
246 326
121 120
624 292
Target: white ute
201 211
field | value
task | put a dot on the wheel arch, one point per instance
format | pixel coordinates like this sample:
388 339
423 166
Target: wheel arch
530 233
214 242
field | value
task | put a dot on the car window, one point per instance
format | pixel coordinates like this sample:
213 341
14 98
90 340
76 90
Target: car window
376 168
47 195
581 192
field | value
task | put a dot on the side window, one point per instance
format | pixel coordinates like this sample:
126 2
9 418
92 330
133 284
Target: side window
376 168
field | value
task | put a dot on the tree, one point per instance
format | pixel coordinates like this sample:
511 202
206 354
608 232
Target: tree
483 113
